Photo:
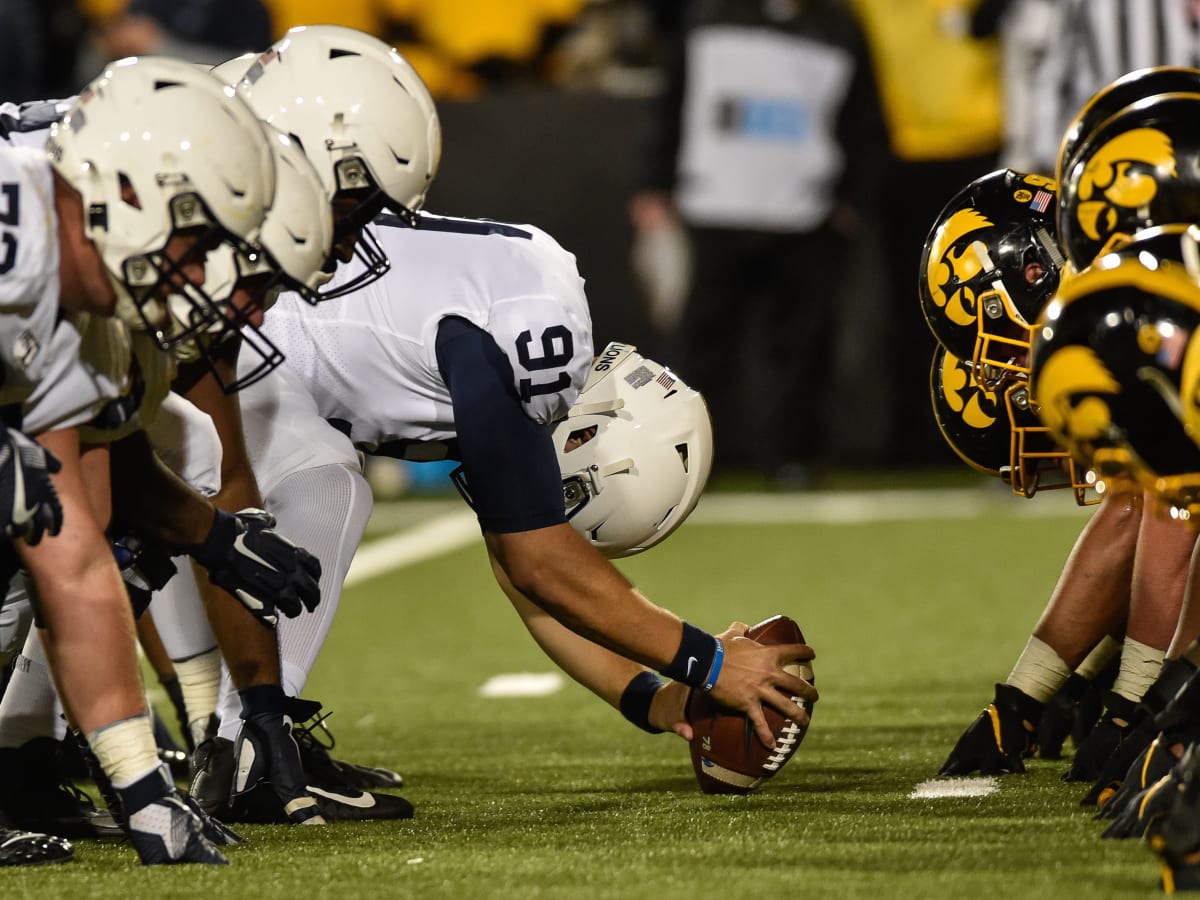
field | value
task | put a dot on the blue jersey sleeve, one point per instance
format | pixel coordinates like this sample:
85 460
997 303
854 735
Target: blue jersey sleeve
508 459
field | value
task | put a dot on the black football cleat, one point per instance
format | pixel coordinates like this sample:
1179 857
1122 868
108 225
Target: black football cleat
1113 726
267 761
1175 835
212 781
27 848
1176 879
1000 739
1058 721
35 797
321 769
1145 809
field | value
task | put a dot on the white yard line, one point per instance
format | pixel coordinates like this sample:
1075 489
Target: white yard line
942 788
442 534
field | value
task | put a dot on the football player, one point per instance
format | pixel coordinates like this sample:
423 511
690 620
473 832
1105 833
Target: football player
1114 363
374 140
989 266
471 347
291 248
103 224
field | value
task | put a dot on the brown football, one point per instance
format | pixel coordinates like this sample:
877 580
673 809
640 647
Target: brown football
727 755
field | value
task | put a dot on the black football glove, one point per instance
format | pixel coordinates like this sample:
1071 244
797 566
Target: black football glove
28 500
264 570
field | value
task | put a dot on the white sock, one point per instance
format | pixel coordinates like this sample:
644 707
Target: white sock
1140 665
1100 657
1039 671
125 749
200 683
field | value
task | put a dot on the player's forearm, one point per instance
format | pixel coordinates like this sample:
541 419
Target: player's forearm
601 671
565 576
148 495
239 488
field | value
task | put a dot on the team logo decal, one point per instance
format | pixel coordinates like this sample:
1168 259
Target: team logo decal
1120 179
977 407
1072 387
954 261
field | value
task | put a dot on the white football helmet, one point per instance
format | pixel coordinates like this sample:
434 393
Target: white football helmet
290 254
154 145
361 114
635 452
231 71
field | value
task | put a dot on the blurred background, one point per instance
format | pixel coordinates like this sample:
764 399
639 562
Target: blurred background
801 325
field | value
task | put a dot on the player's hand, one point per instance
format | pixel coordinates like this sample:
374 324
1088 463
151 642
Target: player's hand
28 499
752 677
264 570
667 709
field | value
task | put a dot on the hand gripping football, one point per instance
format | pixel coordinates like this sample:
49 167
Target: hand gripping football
727 755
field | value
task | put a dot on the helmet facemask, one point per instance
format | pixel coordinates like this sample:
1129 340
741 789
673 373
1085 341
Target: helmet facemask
157 284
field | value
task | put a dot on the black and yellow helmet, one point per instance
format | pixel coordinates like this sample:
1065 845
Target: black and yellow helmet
997 432
1138 169
1115 366
1114 97
989 265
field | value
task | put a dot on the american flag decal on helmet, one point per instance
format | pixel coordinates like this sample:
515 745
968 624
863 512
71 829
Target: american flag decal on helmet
1041 200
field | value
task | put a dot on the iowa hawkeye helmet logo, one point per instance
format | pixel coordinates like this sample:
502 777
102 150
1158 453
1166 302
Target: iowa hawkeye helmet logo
1072 386
972 418
954 263
1122 179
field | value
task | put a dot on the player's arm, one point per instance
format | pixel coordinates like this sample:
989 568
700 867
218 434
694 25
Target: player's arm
512 474
240 551
636 692
252 654
199 384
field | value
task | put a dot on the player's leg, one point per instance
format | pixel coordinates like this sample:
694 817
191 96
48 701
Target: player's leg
1168 718
34 792
178 614
86 626
1089 599
1160 572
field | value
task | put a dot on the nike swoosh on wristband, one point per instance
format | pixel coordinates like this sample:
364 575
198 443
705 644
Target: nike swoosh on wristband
691 662
364 800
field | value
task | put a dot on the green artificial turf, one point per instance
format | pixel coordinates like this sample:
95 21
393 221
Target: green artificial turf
557 796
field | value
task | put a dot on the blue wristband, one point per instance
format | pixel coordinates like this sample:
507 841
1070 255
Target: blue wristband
637 697
694 658
715 672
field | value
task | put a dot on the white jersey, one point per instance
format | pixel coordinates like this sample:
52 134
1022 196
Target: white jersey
29 286
97 374
369 361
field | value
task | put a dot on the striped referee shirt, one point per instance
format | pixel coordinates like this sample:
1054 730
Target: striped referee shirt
1092 43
